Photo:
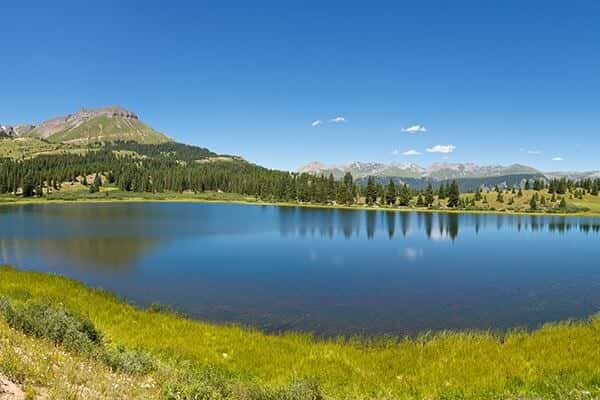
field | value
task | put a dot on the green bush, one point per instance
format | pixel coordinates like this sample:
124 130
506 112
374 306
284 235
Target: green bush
302 389
4 304
43 320
212 384
128 361
76 333
206 384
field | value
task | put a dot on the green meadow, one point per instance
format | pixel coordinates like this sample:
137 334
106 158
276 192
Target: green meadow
556 361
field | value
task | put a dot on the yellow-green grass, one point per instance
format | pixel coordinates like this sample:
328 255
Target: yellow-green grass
522 203
104 129
46 371
556 361
22 148
588 201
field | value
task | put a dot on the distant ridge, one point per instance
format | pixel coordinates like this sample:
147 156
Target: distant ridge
436 172
106 124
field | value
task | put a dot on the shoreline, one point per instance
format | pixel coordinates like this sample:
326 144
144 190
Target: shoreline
471 363
191 199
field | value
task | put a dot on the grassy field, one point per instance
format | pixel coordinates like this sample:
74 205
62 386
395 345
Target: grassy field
30 147
560 361
104 128
46 371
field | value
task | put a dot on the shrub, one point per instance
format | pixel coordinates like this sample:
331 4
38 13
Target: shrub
211 384
128 361
43 320
76 333
4 304
302 389
207 384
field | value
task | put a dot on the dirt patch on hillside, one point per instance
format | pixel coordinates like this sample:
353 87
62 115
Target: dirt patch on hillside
10 391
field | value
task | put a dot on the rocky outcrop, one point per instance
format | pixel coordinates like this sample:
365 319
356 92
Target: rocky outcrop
10 391
71 121
7 132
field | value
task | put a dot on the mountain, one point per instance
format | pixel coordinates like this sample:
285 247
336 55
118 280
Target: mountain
106 124
468 175
574 175
7 132
435 172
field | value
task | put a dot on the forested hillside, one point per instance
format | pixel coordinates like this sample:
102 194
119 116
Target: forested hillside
178 168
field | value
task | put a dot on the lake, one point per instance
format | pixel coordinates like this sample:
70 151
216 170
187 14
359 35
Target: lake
331 272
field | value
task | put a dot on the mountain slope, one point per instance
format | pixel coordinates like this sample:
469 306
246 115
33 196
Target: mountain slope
436 172
105 124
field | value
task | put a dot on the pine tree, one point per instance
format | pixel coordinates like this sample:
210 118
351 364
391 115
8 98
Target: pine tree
420 201
429 198
563 203
371 191
97 180
442 191
533 203
500 197
381 194
390 193
453 195
349 188
405 195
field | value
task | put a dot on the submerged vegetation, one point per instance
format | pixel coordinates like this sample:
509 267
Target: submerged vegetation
156 354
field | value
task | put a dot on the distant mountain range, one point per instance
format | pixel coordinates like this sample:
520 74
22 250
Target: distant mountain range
468 174
105 124
437 171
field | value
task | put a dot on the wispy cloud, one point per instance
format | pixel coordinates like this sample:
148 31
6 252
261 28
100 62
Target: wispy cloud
316 122
411 254
414 129
395 152
412 152
442 148
534 152
557 158
337 120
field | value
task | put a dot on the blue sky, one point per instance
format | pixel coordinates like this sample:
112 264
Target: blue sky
495 82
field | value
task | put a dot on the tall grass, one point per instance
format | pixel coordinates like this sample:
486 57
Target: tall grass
557 361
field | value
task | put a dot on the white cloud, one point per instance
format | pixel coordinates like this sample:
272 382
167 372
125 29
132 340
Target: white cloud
338 120
395 152
557 158
414 129
411 254
316 122
534 152
442 148
411 152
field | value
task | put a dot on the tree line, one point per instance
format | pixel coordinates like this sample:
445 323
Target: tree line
174 167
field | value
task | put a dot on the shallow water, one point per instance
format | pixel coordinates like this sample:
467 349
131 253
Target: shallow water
321 270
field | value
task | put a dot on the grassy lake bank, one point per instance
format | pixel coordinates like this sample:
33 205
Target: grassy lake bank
556 361
591 204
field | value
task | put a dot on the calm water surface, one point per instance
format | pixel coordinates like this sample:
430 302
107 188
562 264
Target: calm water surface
325 271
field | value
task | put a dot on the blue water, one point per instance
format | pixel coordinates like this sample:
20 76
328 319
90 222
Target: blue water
325 271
